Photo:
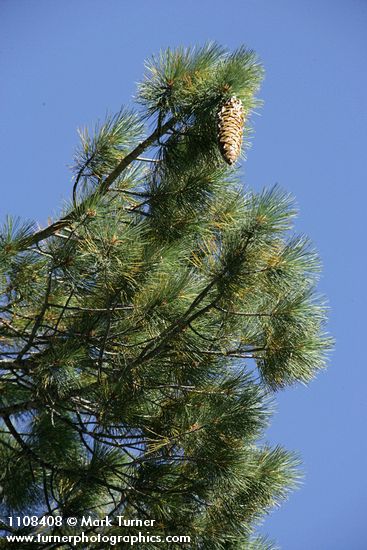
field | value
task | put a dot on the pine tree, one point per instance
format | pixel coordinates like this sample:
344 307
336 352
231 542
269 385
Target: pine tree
144 333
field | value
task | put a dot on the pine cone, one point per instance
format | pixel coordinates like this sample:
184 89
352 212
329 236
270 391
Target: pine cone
231 120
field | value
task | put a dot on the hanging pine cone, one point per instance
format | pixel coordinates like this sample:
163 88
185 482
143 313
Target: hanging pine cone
231 120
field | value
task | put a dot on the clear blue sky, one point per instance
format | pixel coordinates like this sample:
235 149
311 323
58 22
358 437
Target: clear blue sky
63 64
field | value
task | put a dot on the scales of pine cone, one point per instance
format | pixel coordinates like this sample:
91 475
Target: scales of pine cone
231 119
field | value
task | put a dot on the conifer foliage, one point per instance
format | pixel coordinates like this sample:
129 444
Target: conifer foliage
144 333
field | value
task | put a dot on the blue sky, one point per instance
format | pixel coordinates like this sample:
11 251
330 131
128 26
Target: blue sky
64 64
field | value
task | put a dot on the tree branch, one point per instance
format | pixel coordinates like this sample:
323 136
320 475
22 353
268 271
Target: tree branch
17 408
102 189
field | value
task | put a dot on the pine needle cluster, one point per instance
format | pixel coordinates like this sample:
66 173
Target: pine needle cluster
144 333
